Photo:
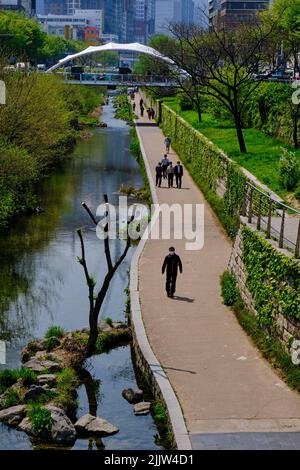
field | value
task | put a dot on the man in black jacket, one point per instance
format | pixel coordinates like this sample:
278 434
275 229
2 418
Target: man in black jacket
171 263
178 171
159 174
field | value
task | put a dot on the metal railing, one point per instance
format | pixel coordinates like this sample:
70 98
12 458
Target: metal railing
119 78
277 220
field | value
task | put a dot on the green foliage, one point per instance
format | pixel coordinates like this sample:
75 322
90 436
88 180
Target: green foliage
185 102
123 109
27 376
12 398
264 152
66 380
26 35
41 421
229 287
55 331
288 169
8 377
109 321
159 412
272 278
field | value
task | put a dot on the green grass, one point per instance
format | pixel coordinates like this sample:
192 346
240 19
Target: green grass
41 420
55 331
88 120
264 152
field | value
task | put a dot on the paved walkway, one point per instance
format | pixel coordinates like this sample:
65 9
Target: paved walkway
227 391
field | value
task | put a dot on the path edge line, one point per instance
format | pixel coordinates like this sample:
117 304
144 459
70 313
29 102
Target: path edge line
153 365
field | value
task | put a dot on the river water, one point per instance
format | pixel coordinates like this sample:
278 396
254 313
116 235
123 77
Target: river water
42 284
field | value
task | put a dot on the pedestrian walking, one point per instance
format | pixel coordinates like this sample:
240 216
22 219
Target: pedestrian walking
133 106
171 264
142 110
141 102
159 173
167 143
152 113
178 171
149 113
170 173
165 163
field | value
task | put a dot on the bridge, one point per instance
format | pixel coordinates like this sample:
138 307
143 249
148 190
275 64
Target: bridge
115 79
118 79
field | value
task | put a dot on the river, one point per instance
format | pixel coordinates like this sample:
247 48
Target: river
42 284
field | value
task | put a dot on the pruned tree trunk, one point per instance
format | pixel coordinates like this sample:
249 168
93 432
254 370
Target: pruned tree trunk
96 301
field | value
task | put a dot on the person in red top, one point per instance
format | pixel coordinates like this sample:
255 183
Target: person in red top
171 264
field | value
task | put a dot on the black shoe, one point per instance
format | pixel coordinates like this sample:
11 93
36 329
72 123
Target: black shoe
168 294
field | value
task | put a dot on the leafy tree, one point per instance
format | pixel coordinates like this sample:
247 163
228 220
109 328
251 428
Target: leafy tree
286 15
20 36
223 64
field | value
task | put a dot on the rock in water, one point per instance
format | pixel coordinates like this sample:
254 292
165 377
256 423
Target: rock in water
133 395
142 408
13 415
93 425
62 430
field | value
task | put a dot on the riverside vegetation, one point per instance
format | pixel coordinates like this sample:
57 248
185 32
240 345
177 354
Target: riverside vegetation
38 128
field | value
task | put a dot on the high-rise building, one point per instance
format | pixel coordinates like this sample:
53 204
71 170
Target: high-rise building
224 13
164 14
187 12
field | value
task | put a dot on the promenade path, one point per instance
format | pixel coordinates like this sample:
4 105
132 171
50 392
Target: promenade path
230 396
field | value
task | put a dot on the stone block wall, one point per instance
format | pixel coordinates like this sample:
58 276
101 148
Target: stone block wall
287 329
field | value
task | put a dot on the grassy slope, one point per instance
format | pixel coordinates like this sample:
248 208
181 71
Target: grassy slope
263 151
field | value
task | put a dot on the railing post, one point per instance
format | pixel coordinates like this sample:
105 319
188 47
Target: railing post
297 249
259 213
268 235
250 206
282 229
244 209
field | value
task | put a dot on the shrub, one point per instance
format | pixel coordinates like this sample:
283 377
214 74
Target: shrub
27 376
230 291
55 332
109 321
8 377
288 170
297 193
66 380
185 102
41 420
12 398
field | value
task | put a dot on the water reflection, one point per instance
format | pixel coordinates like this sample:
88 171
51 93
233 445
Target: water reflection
41 281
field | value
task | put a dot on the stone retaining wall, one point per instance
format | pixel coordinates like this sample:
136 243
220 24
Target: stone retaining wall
286 329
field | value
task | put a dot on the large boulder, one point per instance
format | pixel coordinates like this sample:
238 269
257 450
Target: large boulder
13 415
38 365
133 395
93 425
63 430
33 393
142 408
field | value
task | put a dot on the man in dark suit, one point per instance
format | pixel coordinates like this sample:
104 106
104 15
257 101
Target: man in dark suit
171 264
178 171
159 173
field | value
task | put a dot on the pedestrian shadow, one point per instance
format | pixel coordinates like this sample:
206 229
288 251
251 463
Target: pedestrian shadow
173 368
183 299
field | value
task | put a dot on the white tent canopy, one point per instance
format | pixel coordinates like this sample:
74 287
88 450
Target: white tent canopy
112 46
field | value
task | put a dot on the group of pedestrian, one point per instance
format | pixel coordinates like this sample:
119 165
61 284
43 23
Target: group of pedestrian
166 170
151 113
